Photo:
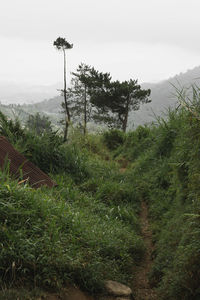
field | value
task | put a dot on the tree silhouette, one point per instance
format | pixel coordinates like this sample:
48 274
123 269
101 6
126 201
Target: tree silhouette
115 99
39 123
80 83
62 45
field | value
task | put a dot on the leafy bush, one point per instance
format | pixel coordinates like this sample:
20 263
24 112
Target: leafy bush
113 138
115 193
38 124
137 142
11 129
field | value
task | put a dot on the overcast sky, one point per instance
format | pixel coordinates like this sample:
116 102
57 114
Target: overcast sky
149 40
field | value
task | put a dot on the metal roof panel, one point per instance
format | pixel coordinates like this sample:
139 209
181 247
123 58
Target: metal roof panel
22 168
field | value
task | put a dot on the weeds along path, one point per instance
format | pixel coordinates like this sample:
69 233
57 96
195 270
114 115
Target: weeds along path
141 286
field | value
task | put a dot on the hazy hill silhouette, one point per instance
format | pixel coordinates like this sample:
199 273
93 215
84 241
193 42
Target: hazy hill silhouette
163 95
19 93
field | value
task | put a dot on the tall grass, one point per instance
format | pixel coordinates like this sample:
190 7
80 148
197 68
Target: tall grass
165 172
82 232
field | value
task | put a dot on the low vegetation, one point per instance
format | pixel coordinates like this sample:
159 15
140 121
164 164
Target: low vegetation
87 229
165 171
82 232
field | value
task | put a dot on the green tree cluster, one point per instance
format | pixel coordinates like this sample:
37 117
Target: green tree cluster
94 96
39 124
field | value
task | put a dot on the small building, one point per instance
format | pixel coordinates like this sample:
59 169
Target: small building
21 168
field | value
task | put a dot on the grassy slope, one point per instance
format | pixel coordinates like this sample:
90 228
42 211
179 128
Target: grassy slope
87 229
165 171
84 231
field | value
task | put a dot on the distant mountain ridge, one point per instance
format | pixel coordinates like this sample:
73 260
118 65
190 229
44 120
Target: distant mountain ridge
20 93
163 95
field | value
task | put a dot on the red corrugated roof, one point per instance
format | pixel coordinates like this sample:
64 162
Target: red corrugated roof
20 167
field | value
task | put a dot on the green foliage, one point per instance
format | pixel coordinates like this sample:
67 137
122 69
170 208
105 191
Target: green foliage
83 232
115 193
44 151
117 98
80 106
137 141
92 217
62 44
165 172
96 96
47 151
38 124
113 138
47 240
11 129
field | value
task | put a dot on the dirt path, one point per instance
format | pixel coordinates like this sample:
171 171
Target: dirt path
141 288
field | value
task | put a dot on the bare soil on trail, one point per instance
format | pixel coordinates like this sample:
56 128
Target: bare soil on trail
141 286
123 164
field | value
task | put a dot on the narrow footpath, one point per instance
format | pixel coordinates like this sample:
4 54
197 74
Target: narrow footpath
141 287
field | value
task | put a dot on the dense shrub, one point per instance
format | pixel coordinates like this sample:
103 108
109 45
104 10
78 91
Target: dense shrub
115 193
113 138
11 129
137 142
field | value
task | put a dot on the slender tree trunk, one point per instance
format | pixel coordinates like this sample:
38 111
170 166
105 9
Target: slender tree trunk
85 111
67 114
125 121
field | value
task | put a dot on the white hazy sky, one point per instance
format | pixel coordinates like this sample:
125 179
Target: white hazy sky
149 40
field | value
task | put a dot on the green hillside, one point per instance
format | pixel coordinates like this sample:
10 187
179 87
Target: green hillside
163 95
88 229
82 232
165 170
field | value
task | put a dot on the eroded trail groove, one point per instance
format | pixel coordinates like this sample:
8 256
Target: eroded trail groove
141 287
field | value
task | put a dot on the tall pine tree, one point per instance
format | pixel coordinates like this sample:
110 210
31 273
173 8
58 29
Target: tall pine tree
62 45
